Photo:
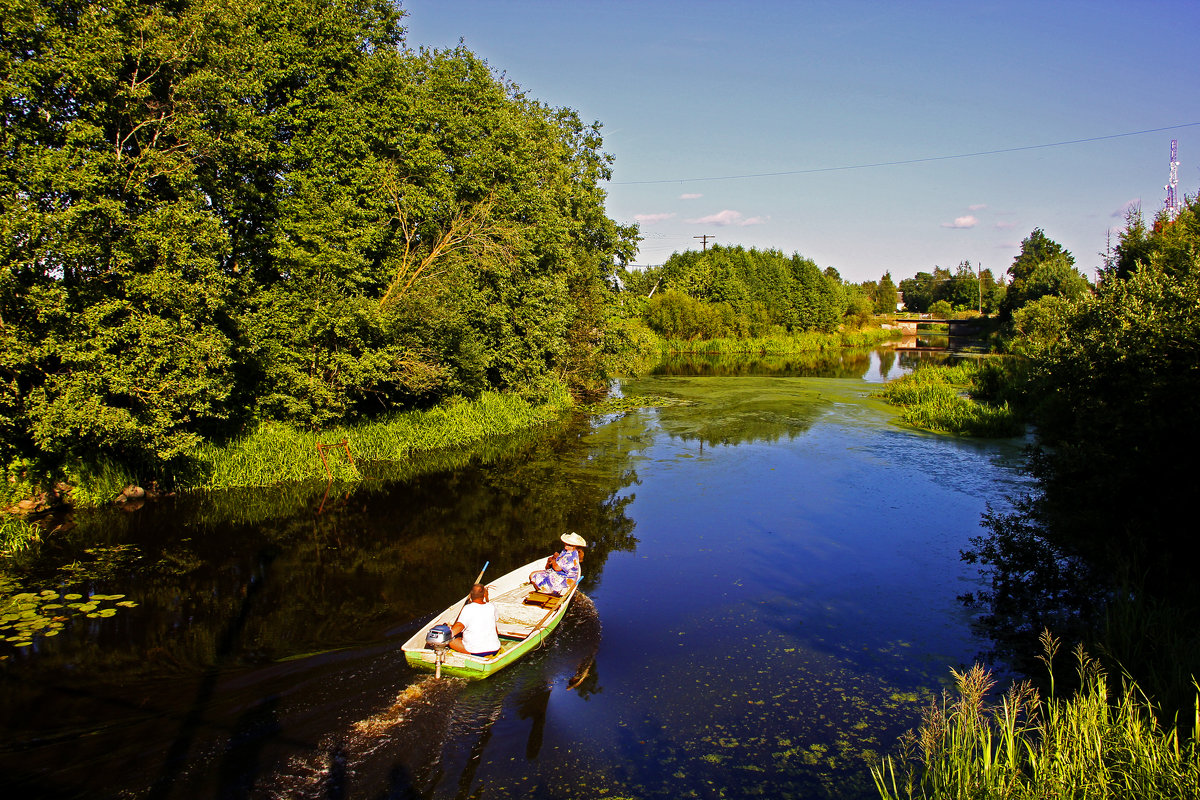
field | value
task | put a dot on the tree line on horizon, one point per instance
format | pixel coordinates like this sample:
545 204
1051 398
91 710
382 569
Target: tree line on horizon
1042 267
734 292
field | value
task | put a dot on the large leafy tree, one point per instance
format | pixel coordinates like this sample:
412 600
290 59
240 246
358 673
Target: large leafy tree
219 211
1042 268
114 303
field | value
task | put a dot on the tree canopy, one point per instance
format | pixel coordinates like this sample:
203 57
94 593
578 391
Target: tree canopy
967 288
220 212
1042 268
732 291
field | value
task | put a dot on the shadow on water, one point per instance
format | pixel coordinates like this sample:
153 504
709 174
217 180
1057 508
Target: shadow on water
436 733
255 621
239 767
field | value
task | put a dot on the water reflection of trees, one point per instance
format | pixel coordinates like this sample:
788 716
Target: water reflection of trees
381 554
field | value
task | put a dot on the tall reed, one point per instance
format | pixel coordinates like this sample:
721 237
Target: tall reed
17 535
781 343
276 453
938 398
1088 746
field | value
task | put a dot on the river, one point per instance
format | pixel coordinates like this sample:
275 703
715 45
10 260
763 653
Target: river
770 598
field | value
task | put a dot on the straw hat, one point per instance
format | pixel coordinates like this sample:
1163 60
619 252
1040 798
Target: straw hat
573 538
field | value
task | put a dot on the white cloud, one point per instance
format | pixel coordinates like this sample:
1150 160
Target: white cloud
977 207
651 219
962 222
1004 225
728 217
690 196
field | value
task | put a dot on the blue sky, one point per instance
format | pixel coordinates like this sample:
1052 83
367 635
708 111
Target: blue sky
704 104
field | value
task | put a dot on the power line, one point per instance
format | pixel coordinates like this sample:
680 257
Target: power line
846 167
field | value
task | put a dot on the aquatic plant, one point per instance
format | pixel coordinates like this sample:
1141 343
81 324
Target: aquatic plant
614 405
938 399
25 615
1086 746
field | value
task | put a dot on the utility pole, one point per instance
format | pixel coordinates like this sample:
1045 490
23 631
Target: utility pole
979 279
704 240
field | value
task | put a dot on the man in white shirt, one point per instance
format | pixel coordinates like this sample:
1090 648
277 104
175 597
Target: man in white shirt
477 624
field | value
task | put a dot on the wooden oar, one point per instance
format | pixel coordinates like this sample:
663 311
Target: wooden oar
478 578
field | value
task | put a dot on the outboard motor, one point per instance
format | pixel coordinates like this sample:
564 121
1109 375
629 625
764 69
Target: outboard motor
439 636
438 639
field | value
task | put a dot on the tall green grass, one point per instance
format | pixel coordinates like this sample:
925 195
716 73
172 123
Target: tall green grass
17 535
780 344
276 453
1091 746
937 398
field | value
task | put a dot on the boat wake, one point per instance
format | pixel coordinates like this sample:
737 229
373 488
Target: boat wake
414 743
411 724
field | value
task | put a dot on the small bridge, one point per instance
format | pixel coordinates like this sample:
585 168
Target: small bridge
954 327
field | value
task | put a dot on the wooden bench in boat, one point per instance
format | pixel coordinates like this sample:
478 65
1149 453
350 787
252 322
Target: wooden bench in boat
521 610
544 600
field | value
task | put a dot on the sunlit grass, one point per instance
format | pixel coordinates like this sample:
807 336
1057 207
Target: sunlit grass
16 535
1024 746
780 344
937 398
276 453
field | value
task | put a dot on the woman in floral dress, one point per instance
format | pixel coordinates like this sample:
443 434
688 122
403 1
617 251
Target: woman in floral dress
563 569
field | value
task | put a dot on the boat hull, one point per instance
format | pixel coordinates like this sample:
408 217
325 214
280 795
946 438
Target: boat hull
522 628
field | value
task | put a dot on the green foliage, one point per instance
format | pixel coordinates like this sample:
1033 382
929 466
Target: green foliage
966 289
275 452
1108 382
734 292
217 215
935 398
1040 325
885 295
779 343
941 309
1081 747
17 535
1042 268
1113 391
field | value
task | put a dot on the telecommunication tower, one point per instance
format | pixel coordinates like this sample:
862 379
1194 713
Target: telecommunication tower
1172 202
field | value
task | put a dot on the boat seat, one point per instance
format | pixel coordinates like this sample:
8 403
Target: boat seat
543 599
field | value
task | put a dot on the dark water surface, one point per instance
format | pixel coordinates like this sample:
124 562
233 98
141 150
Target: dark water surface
770 599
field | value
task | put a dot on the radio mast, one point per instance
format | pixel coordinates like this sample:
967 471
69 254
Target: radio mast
1172 202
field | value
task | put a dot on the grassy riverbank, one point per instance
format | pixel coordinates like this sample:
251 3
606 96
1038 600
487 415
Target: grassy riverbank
780 344
948 399
274 453
1099 743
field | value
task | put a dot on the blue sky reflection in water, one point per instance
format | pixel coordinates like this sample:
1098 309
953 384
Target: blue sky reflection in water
790 605
792 600
787 607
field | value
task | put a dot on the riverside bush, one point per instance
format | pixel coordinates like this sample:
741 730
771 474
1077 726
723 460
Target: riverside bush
780 343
